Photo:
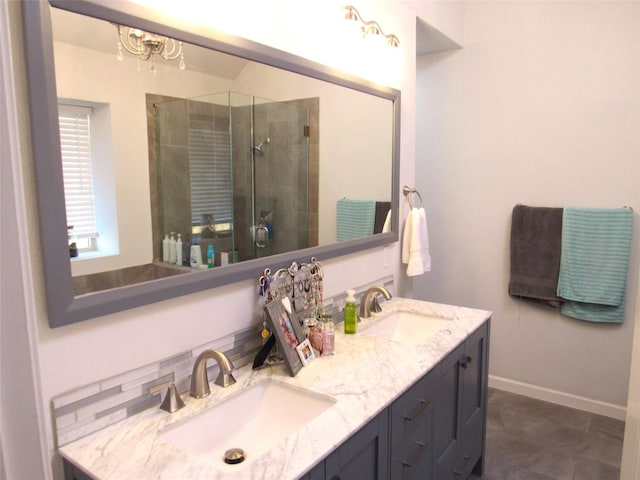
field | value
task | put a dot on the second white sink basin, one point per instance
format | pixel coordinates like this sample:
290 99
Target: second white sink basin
255 419
410 327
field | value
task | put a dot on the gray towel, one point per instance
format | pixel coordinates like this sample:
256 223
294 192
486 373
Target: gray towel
536 236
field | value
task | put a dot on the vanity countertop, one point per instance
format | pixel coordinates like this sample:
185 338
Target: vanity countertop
364 376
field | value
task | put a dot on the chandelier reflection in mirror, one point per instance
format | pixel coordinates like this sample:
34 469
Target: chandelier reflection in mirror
145 46
370 27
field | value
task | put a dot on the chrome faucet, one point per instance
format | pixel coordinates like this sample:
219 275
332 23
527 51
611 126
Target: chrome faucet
370 301
200 379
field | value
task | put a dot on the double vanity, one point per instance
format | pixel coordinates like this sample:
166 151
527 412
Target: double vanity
405 397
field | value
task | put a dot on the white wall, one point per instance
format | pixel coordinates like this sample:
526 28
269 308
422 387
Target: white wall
447 16
75 355
541 107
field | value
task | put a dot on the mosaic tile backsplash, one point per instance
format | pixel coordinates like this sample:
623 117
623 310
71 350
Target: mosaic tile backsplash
95 406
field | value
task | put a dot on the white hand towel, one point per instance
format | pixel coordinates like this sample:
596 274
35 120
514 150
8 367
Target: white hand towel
415 243
406 237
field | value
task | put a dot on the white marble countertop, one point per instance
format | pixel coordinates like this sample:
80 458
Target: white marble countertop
364 376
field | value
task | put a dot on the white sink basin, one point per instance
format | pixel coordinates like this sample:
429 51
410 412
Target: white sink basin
409 327
255 419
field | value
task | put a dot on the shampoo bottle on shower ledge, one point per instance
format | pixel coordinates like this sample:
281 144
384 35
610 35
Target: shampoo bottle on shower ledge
172 248
165 248
179 250
195 259
211 257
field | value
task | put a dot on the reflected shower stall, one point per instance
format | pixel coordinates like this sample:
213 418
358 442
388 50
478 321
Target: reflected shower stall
232 170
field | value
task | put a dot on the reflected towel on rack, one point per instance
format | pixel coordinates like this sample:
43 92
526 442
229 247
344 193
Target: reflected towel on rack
415 243
354 218
594 262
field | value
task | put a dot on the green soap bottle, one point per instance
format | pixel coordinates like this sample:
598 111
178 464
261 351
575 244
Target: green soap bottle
350 313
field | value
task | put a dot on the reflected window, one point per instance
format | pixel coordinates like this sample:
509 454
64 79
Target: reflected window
210 175
89 185
77 167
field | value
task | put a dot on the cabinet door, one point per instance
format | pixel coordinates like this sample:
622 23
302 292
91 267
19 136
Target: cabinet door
474 386
316 473
460 409
447 428
363 456
71 472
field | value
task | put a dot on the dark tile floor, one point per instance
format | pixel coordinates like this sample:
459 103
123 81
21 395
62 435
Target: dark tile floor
529 439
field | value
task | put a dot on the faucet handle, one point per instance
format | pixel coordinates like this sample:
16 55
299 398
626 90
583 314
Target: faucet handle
375 304
172 401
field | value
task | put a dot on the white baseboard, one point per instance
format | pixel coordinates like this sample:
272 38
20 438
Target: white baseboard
561 398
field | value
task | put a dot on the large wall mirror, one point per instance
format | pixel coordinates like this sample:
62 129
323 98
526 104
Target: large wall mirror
261 156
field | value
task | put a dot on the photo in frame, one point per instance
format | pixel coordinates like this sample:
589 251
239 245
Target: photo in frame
288 337
305 352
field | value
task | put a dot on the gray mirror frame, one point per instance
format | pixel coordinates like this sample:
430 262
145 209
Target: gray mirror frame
63 306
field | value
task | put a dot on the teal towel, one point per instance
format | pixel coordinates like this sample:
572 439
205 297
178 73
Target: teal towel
354 218
593 262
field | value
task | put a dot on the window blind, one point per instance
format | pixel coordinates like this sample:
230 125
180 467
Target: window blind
75 142
210 172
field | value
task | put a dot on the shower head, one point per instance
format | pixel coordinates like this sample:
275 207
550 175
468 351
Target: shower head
257 149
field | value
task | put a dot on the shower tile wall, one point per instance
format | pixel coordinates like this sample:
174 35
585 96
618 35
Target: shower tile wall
169 163
241 142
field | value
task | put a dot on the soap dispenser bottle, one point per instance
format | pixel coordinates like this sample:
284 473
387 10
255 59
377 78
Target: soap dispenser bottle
350 313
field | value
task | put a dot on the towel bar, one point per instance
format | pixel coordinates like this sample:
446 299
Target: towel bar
407 191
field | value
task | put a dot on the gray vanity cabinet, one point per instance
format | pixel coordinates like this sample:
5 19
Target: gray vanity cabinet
460 409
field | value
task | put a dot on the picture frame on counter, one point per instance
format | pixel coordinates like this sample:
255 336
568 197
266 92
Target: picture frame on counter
287 336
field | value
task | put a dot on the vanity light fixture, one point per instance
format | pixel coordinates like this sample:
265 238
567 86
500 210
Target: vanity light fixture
370 27
145 45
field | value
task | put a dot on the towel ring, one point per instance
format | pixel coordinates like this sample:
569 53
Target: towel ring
407 191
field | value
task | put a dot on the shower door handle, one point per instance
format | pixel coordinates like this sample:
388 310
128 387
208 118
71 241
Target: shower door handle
262 236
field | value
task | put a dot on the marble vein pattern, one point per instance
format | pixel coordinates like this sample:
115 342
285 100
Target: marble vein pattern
364 376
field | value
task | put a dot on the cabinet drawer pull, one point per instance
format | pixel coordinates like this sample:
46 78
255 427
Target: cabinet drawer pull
425 404
457 473
424 446
465 362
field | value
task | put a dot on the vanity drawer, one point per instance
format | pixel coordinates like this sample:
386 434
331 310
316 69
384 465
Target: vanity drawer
412 409
413 459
